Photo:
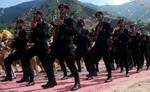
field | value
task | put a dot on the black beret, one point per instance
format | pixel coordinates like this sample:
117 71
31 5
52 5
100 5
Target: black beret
39 12
132 25
121 20
66 6
81 20
98 13
20 20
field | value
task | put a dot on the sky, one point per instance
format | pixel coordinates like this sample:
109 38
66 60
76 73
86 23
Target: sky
8 3
106 2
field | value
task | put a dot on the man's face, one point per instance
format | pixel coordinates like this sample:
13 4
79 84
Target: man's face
81 24
121 24
63 11
38 17
19 25
133 28
99 17
33 24
142 30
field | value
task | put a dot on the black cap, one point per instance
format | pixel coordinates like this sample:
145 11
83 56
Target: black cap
81 20
121 20
132 25
20 20
39 12
66 6
98 13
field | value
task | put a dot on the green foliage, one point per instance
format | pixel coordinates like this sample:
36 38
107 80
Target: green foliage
76 11
47 19
2 26
8 27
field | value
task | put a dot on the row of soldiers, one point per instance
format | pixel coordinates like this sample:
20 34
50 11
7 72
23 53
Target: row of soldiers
71 42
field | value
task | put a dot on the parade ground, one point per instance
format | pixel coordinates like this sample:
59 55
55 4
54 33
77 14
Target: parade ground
137 82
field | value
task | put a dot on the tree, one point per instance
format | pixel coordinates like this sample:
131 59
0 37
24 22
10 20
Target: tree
76 12
2 26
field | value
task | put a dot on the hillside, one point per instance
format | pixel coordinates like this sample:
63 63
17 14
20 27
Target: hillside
49 7
9 15
135 10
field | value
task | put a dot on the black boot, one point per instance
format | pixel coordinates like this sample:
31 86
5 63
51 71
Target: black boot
64 78
95 74
30 83
109 79
138 70
92 74
49 85
7 79
76 87
113 67
23 80
121 71
89 77
127 74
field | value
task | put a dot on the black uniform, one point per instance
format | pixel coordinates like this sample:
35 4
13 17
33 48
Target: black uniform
39 37
83 43
55 52
100 49
63 47
19 45
111 51
122 44
134 45
93 37
115 49
145 50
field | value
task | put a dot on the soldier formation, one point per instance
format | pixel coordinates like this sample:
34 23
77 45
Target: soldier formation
121 48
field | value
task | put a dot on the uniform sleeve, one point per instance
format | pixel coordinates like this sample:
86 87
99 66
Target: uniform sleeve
43 31
108 30
48 31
